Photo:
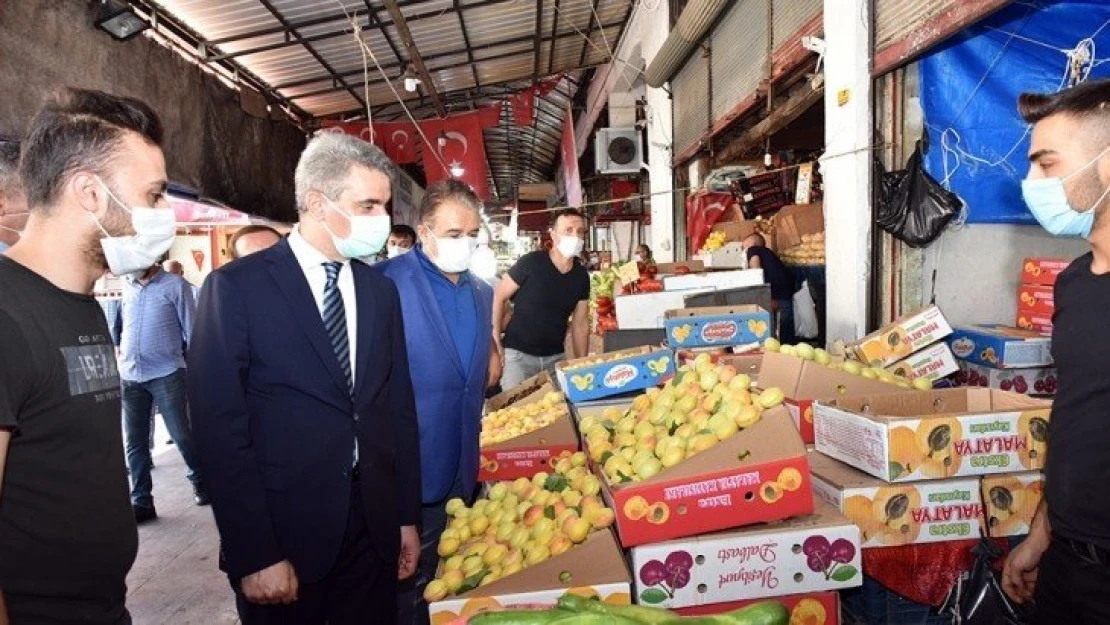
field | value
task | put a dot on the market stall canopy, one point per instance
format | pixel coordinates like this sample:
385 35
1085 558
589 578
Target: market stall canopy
458 55
189 212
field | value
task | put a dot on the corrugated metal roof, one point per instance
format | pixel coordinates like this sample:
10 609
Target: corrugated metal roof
319 69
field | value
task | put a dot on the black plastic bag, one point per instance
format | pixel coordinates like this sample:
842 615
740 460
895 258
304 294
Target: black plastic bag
979 598
912 206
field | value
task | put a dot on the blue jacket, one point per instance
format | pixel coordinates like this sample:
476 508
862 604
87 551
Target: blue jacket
274 422
449 393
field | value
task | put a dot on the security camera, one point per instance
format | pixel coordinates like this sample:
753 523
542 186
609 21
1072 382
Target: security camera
814 44
641 124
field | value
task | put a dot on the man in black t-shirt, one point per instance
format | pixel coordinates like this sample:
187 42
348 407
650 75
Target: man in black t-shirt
1064 564
781 280
67 533
546 288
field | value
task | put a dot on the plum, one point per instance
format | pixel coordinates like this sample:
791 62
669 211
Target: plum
679 560
653 572
842 551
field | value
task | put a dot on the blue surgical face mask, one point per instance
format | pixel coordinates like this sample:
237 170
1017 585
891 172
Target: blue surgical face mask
1047 199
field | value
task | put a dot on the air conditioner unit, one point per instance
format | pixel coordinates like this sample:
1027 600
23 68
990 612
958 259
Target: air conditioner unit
619 151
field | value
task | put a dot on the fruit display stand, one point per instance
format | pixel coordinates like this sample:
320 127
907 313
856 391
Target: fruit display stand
932 363
1041 381
595 568
889 515
810 553
605 375
530 451
936 434
715 326
901 338
756 475
1010 501
1001 347
805 381
818 608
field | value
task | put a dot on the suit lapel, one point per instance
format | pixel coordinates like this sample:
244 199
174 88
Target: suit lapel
432 312
367 319
289 277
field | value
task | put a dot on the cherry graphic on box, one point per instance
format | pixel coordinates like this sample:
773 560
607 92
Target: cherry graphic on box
823 557
664 578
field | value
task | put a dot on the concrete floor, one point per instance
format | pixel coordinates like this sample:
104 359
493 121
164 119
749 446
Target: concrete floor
176 579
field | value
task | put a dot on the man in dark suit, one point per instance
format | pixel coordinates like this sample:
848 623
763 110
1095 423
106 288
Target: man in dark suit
303 410
448 333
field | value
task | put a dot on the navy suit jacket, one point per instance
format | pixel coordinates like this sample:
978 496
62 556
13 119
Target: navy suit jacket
449 393
274 423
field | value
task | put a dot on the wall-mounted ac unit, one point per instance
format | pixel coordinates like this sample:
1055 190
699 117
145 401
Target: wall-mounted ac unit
619 150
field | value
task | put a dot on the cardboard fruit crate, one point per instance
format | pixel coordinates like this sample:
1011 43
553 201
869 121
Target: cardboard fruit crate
729 256
1042 271
932 363
811 553
714 280
1040 381
890 515
715 326
818 608
1037 299
1011 501
804 381
595 568
732 484
936 434
1001 347
901 338
1034 322
620 372
527 454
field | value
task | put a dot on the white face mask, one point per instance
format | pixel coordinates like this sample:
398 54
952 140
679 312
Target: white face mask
639 258
453 255
368 233
393 251
570 246
155 229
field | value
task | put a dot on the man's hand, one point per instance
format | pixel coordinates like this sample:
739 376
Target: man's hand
410 552
272 585
1019 575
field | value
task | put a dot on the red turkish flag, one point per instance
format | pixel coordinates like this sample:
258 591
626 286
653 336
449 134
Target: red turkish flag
524 106
397 139
465 147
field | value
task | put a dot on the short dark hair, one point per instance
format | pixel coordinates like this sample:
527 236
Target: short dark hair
9 164
401 230
447 190
1085 99
566 212
244 231
79 129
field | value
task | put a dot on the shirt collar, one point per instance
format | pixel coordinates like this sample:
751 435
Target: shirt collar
308 257
431 267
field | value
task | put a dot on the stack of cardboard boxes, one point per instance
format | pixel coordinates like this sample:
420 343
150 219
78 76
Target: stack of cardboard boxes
911 346
1035 295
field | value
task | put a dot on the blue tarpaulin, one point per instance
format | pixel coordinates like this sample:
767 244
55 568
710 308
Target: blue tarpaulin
969 88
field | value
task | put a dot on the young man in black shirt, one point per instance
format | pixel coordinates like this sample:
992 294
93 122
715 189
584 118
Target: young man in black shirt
781 279
91 168
547 287
1064 565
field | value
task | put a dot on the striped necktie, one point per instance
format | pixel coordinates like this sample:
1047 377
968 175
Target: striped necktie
335 322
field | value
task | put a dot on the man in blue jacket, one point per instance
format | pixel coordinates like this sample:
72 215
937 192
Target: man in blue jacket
448 334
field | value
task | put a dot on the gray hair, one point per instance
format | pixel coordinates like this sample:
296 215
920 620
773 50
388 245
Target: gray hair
328 158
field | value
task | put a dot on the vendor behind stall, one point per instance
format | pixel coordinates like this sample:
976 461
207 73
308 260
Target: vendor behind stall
779 276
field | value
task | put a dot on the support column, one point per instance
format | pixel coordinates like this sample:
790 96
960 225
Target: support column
655 27
846 166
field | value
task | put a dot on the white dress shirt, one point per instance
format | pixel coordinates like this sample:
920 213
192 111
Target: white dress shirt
312 262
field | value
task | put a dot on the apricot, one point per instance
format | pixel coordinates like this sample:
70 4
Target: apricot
905 457
790 479
935 439
808 612
659 513
636 508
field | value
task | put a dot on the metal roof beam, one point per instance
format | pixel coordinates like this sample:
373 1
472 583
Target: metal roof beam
316 55
551 49
342 17
589 33
538 40
466 40
402 27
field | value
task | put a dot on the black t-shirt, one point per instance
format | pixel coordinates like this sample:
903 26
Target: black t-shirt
775 273
543 304
67 531
1077 470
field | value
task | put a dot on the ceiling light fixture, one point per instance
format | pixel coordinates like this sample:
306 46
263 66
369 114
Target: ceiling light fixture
457 170
119 20
412 80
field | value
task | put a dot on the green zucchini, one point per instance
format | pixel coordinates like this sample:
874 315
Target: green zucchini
640 614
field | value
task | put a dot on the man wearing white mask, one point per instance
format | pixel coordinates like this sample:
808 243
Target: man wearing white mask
401 239
1064 564
303 413
95 180
448 334
547 287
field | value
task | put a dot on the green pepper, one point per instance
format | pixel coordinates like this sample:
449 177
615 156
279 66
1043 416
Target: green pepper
547 617
640 614
765 613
